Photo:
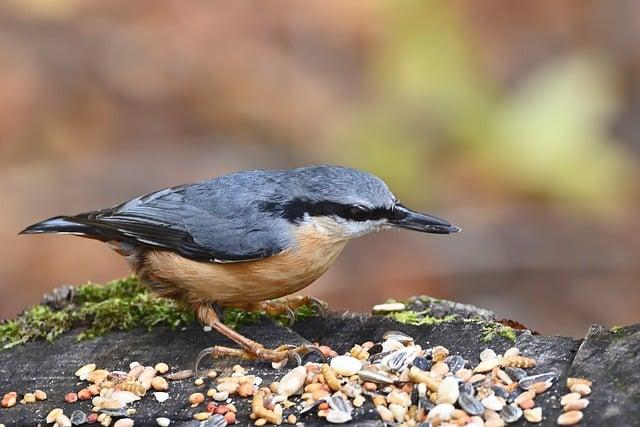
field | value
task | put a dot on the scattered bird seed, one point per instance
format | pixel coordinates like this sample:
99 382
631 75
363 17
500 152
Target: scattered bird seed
570 418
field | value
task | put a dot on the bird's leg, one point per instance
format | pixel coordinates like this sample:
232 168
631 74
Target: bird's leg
282 306
249 348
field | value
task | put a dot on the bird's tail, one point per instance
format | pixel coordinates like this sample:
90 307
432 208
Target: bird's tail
64 225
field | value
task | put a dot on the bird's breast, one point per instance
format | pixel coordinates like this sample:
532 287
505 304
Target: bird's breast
244 282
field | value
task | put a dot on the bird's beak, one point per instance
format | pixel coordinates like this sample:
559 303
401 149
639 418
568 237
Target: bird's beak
404 217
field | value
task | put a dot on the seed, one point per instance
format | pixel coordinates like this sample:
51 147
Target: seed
196 398
124 396
97 376
212 374
493 403
198 381
337 417
494 422
527 395
570 418
105 421
576 405
399 412
71 397
260 422
29 398
162 368
94 389
53 414
385 414
220 396
487 365
476 378
464 374
124 422
293 381
513 351
511 413
330 377
9 399
201 416
78 418
533 415
540 387
40 395
180 375
228 386
379 400
161 396
455 363
399 398
230 417
345 365
442 412
159 384
515 373
439 353
292 419
84 371
517 362
502 376
62 421
245 389
447 391
163 421
358 401
527 382
135 372
470 404
84 394
582 389
574 380
527 404
487 354
440 369
569 397
319 394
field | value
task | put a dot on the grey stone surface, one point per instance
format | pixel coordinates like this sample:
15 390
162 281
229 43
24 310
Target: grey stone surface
612 360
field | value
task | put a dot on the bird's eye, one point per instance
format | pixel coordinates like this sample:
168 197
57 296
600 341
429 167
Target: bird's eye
357 212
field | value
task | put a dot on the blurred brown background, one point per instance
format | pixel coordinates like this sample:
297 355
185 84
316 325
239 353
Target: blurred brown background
516 120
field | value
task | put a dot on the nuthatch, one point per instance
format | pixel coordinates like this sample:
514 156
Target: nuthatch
245 238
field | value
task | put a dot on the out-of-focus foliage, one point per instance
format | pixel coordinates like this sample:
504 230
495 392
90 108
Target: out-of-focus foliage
431 102
518 121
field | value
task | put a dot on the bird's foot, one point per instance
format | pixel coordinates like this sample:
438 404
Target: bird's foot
281 355
286 306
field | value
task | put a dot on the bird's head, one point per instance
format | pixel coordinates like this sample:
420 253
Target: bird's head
349 203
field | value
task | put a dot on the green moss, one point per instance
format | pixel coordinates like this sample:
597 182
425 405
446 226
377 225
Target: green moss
615 329
119 305
492 329
418 318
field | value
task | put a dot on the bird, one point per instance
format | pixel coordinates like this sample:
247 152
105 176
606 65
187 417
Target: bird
245 239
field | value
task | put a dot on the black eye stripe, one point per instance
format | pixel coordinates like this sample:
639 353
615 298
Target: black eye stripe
294 210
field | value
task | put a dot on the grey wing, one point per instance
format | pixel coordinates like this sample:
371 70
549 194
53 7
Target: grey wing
200 221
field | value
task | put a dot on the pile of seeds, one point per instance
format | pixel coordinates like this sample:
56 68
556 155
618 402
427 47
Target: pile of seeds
396 378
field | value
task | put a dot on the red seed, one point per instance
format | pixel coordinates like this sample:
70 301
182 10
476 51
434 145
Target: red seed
84 394
230 417
71 397
211 407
